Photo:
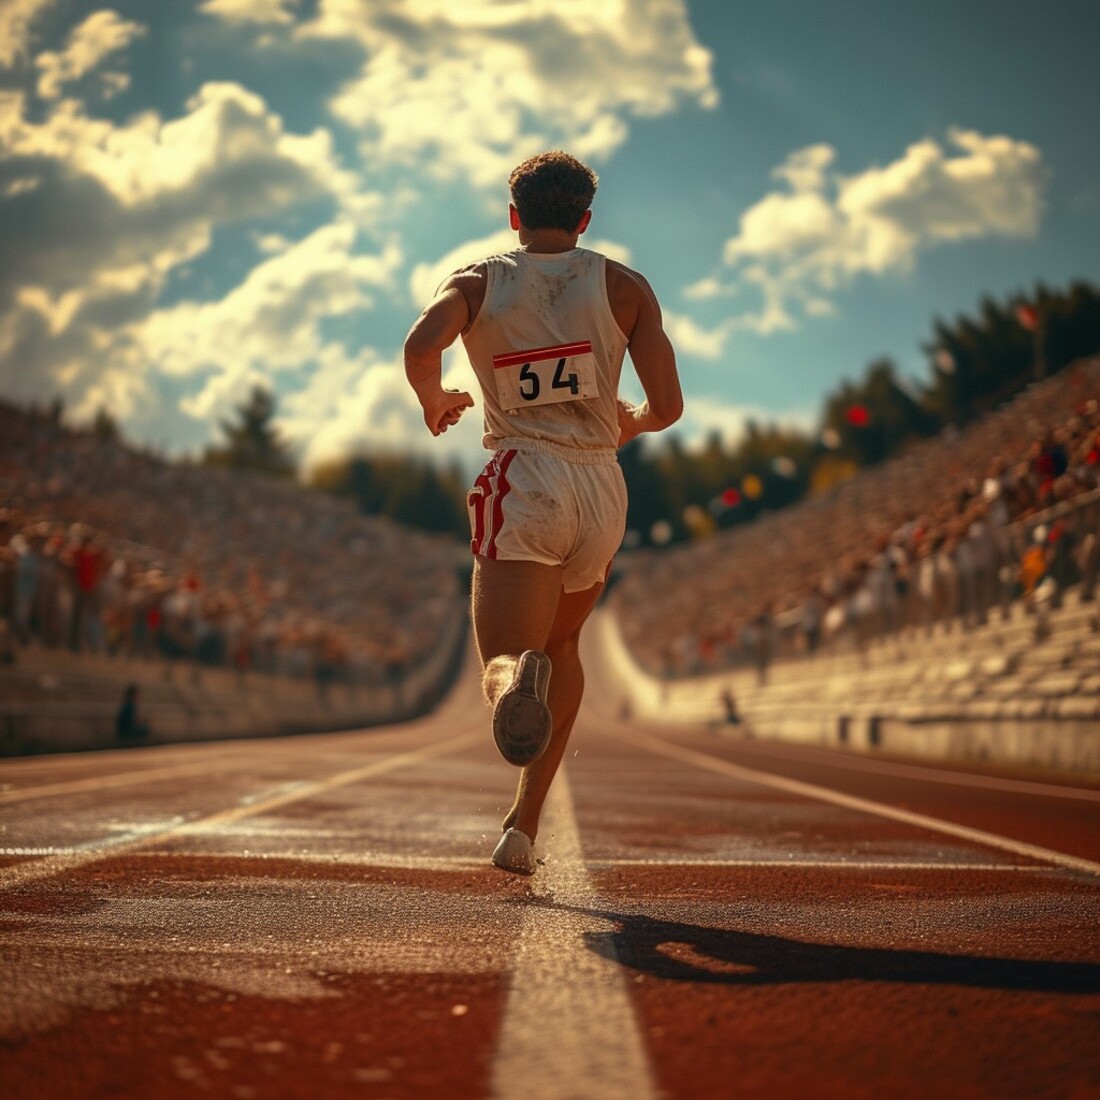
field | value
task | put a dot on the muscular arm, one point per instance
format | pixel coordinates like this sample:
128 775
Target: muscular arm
639 315
433 332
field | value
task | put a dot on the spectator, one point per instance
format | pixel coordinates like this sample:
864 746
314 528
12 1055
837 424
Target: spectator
87 561
25 586
949 509
206 564
129 724
729 707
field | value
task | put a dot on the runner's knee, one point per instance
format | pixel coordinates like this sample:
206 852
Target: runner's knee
564 650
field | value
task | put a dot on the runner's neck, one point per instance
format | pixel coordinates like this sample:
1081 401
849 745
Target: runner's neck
547 241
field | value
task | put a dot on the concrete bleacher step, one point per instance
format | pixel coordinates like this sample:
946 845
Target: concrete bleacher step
962 691
1007 688
1033 694
980 671
959 671
1055 684
1079 706
1055 659
996 665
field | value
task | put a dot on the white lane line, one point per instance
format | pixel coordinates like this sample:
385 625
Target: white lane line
837 759
863 805
810 864
107 782
92 849
55 864
389 861
383 861
569 1029
217 758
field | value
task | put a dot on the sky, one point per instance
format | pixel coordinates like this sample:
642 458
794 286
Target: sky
203 195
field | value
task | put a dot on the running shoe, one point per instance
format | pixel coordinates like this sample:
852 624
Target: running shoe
515 852
521 719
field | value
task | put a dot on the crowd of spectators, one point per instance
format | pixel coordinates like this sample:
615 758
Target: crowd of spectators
106 549
951 531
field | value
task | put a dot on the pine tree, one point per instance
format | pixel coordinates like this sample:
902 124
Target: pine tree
252 442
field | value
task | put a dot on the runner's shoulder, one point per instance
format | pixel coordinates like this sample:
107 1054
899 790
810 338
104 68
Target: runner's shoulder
470 281
627 292
470 275
626 280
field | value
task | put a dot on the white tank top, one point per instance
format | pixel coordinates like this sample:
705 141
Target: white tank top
548 353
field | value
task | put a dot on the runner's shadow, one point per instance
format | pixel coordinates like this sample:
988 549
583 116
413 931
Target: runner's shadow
695 953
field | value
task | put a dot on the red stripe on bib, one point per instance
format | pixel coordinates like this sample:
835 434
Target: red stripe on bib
537 355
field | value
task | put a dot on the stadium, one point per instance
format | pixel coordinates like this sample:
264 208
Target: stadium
549 549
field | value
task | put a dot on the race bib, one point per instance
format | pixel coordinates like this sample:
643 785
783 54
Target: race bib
546 376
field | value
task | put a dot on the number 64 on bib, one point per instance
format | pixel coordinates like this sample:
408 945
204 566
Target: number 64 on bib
546 376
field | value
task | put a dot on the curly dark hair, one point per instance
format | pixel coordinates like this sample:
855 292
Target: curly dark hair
552 191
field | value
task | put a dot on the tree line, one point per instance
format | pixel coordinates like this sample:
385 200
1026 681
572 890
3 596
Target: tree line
978 361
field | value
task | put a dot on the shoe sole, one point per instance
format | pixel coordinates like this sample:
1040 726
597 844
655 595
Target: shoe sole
522 722
514 853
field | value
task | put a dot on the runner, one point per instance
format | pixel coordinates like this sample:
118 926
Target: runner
546 327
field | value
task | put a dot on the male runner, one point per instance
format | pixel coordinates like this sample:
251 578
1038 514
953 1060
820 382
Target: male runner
546 327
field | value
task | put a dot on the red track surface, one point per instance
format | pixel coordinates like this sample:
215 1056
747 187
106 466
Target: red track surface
317 917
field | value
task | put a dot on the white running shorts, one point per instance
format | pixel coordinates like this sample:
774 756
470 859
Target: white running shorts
539 506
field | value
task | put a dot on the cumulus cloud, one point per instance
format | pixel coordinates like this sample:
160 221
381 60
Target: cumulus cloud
103 217
364 405
252 11
116 207
16 20
91 42
271 325
797 247
806 169
271 322
479 85
690 338
97 217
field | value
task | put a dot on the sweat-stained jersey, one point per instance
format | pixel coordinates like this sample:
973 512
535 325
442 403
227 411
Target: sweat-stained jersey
548 353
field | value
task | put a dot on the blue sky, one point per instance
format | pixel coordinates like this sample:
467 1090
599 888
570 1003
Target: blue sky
195 197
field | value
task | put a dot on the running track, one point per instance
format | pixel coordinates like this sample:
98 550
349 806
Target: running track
316 917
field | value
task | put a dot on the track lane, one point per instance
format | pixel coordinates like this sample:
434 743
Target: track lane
947 773
810 948
828 793
351 936
1054 816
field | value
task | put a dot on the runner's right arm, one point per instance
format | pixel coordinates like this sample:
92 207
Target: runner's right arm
639 315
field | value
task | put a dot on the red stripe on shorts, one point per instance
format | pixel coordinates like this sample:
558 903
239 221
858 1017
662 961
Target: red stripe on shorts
490 488
478 503
503 488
